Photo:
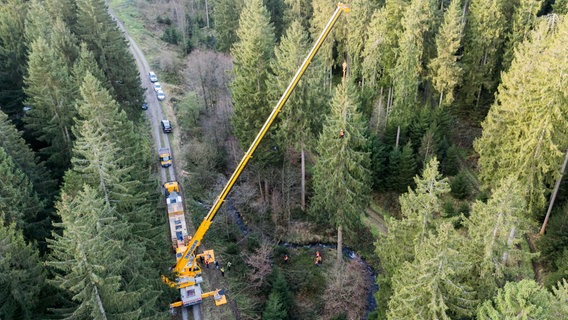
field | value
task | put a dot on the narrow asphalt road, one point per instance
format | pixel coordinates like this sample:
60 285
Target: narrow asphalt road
155 115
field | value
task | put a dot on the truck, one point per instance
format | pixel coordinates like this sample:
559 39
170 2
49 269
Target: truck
165 157
187 272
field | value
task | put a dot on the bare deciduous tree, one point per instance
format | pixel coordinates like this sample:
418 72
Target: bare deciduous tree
346 286
259 261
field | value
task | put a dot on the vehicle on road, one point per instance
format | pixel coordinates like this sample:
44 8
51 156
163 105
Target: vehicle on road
144 106
166 126
157 86
161 95
165 157
153 77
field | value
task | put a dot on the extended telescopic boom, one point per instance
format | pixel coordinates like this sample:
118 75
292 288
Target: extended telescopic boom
189 254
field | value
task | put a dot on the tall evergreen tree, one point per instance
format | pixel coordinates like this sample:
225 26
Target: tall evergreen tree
50 94
431 286
21 274
482 46
357 19
493 230
90 257
524 19
39 22
445 70
300 10
322 11
96 28
18 201
226 16
251 57
408 71
524 133
305 109
341 173
525 299
12 55
25 160
406 236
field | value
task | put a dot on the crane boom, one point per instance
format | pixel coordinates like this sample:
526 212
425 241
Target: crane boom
189 255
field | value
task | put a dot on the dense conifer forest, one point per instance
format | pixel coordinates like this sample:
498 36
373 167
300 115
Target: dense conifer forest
427 137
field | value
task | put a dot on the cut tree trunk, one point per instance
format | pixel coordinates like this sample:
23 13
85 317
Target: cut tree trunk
339 244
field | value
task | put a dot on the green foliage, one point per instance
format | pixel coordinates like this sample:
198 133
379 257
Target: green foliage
461 187
280 299
274 309
99 31
431 286
482 44
226 16
21 274
524 133
251 58
342 176
25 160
90 258
171 35
493 230
406 236
20 204
13 51
402 168
417 21
445 70
517 300
524 19
451 163
50 92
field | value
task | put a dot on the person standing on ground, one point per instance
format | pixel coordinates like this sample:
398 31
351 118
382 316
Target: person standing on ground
222 272
286 258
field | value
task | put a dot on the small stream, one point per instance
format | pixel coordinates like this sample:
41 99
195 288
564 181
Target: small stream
371 274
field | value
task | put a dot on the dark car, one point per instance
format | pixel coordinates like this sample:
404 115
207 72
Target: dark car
166 126
144 106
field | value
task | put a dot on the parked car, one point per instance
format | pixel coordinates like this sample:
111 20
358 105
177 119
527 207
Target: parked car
161 95
153 77
166 126
144 106
157 86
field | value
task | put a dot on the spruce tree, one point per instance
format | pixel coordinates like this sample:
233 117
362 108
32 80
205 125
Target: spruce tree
342 170
304 111
406 236
90 258
50 94
524 133
18 201
445 70
251 57
12 55
99 31
274 309
524 19
525 299
482 46
300 10
226 17
408 71
432 287
357 19
493 230
21 274
25 160
39 22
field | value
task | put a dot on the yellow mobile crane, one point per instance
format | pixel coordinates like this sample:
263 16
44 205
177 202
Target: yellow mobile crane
186 269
